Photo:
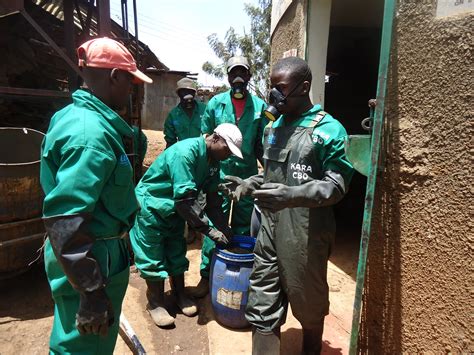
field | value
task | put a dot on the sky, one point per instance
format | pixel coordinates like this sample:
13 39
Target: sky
176 30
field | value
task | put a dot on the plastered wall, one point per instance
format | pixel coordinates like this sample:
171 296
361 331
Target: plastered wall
290 32
420 274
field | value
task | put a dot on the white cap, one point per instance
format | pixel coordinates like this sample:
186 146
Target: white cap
232 136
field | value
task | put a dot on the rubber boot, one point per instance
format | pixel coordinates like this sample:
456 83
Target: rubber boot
265 343
186 304
202 288
155 294
313 340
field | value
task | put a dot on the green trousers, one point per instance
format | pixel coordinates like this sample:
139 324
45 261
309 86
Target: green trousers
159 246
65 338
240 223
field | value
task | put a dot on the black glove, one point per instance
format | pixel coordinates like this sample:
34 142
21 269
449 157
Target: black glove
95 313
216 215
317 193
72 245
191 211
218 237
236 187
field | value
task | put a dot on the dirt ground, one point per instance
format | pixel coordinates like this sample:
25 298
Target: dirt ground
26 315
26 310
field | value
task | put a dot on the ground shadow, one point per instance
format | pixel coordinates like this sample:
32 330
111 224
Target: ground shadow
292 339
26 296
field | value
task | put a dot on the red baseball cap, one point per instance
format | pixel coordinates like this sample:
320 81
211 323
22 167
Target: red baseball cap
107 53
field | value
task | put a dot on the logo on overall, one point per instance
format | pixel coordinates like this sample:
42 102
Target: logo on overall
213 171
123 160
319 137
300 171
271 139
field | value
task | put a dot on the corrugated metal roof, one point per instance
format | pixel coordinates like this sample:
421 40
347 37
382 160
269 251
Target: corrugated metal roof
55 8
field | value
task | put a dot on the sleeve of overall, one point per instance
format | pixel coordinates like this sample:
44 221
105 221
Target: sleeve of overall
208 123
80 178
335 160
259 139
182 170
169 130
334 184
328 190
185 191
68 208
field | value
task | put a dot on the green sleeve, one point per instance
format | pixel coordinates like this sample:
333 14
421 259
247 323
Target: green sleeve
208 123
79 180
181 169
335 159
169 131
259 139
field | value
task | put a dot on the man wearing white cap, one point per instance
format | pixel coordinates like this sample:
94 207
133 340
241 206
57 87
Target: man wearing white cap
236 106
89 202
168 196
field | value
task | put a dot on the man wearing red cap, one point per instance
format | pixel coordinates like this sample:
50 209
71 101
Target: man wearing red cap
89 202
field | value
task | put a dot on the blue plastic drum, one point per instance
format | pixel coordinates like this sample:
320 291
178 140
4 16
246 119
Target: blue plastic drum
230 272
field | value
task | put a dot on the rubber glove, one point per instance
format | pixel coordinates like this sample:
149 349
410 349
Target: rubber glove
316 193
218 237
72 245
95 313
236 187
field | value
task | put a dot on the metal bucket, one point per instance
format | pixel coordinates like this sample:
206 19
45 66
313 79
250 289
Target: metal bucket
19 245
21 227
357 148
20 188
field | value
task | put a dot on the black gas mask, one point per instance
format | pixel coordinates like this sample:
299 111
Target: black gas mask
277 100
239 87
187 101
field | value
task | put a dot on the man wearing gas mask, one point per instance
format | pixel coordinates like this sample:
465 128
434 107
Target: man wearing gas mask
239 107
305 174
184 121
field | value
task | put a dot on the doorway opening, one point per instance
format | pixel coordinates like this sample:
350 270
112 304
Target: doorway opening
343 42
352 66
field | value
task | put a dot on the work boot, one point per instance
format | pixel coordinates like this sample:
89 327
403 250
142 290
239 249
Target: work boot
265 343
186 304
313 340
155 294
202 288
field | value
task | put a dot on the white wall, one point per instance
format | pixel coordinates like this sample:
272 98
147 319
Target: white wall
317 34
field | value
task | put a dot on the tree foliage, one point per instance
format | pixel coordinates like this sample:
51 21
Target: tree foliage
254 45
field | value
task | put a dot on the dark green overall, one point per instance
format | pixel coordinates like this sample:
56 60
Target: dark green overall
294 244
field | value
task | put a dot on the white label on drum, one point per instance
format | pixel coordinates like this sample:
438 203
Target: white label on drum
228 298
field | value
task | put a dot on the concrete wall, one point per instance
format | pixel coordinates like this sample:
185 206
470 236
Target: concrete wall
419 281
160 98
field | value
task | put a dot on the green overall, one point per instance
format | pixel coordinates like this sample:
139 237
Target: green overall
179 126
157 236
252 123
85 169
294 244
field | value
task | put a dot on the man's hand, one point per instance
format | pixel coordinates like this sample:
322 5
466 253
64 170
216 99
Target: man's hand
273 197
236 187
218 237
95 313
